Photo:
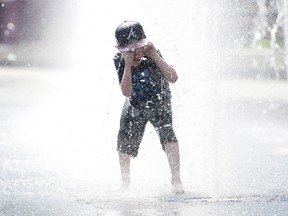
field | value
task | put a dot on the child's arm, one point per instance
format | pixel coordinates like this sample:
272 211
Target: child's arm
126 82
168 70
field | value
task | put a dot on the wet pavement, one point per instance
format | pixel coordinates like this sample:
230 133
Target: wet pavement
58 150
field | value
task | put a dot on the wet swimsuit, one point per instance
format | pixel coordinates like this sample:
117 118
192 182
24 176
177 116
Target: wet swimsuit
150 100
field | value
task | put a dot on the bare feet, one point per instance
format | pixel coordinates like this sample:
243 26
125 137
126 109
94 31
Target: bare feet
177 187
124 187
125 184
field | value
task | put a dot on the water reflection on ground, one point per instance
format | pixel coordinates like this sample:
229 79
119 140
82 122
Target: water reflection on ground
60 159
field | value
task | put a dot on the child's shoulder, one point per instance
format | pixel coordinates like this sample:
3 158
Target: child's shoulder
118 61
117 56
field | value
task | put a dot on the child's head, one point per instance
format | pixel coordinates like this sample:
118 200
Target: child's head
130 36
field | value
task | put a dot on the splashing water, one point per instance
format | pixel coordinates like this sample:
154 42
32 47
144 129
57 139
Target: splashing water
232 131
270 34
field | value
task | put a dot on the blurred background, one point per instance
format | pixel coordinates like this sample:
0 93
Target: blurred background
256 28
60 102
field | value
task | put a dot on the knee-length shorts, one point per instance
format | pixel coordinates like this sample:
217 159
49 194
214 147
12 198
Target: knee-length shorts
134 120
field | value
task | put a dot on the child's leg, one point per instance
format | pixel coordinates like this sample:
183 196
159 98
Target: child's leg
173 156
124 161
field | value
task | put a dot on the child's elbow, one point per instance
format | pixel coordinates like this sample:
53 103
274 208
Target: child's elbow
174 78
126 92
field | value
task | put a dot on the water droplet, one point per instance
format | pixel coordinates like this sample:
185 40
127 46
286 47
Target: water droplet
6 33
11 57
11 26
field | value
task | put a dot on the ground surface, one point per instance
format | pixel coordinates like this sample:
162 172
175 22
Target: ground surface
58 154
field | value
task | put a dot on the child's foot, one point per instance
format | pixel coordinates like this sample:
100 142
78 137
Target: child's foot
177 187
125 185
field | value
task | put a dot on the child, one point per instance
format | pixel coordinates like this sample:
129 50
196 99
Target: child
144 78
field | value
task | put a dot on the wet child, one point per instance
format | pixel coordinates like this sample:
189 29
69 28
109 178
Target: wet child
144 78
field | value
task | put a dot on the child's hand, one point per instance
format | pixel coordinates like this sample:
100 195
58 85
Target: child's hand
129 58
150 50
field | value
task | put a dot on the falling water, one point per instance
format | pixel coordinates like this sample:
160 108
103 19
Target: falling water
249 92
270 39
285 11
231 122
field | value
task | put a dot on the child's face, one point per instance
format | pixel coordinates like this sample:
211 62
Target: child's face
139 53
136 55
